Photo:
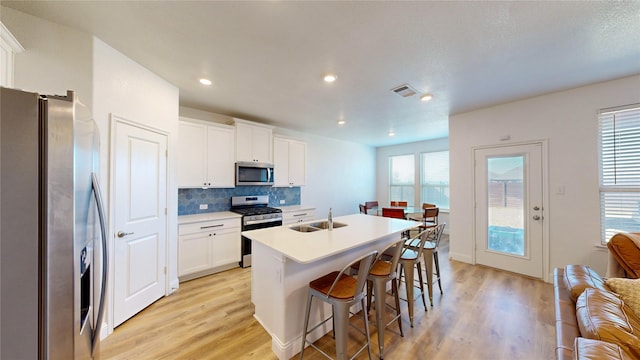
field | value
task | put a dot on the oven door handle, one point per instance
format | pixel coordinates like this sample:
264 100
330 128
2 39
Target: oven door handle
257 222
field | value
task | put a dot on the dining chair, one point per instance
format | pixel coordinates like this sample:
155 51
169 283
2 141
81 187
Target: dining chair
342 291
371 204
400 203
429 216
393 213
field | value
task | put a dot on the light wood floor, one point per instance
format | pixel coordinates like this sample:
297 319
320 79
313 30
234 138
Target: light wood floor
483 314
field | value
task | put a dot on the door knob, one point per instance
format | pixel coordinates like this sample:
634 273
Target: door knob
123 234
536 217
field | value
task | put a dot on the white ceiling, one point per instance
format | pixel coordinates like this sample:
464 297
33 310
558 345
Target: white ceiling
266 59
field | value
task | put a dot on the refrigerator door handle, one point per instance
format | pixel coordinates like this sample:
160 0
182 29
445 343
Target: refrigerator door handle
103 233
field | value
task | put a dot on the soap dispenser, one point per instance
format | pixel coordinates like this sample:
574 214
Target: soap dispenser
330 220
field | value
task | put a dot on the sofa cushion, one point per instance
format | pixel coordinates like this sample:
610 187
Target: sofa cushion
579 277
589 349
603 316
629 291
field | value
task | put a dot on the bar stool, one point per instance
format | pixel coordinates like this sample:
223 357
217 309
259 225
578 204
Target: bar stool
413 257
382 272
341 291
432 244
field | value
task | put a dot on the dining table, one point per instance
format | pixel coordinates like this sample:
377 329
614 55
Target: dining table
378 210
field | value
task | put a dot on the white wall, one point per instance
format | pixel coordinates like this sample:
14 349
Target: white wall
127 90
415 148
56 58
340 174
568 121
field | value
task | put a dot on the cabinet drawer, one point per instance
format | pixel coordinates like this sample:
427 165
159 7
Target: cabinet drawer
207 226
297 216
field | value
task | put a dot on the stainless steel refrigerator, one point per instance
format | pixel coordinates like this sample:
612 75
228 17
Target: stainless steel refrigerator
52 234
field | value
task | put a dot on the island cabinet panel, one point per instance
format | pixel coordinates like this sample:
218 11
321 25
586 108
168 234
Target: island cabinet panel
253 141
206 155
207 247
284 261
290 162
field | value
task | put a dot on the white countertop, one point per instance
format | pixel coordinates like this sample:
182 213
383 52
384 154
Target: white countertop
212 216
312 246
292 208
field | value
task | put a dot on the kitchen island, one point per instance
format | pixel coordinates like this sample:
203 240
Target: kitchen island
285 260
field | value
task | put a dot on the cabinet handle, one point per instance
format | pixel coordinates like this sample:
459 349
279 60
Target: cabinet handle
211 226
305 214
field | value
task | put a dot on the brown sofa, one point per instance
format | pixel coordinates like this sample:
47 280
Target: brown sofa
591 321
626 253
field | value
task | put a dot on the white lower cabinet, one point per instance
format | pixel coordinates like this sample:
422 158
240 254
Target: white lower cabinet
298 216
207 247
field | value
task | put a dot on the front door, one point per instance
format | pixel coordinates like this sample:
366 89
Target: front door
509 209
140 193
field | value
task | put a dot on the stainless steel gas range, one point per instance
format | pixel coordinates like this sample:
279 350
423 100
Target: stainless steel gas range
256 214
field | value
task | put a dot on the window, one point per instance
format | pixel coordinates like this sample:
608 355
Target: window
402 178
435 178
619 140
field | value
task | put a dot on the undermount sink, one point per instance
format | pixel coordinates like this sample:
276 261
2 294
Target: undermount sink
304 228
321 225
325 225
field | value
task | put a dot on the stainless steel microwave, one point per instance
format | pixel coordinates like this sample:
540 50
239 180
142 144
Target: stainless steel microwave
254 173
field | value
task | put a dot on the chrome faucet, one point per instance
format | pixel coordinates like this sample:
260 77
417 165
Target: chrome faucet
330 220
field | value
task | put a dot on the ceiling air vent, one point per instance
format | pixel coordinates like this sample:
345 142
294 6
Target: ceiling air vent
404 90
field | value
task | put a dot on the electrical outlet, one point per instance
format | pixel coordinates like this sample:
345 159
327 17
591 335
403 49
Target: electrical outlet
204 206
282 202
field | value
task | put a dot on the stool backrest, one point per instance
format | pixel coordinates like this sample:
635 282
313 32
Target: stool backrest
398 248
364 267
423 237
438 234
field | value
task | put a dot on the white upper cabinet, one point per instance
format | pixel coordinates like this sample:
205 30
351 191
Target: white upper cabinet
206 153
253 141
289 162
9 46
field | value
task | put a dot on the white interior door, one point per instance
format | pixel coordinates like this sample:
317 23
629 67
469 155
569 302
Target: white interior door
509 209
140 194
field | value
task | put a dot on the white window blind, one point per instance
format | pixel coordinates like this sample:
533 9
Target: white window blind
435 178
619 137
402 178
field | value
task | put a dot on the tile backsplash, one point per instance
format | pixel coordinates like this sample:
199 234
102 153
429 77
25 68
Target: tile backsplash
189 200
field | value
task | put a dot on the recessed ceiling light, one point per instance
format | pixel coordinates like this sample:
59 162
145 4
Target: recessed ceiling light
341 122
426 97
205 81
330 78
391 133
